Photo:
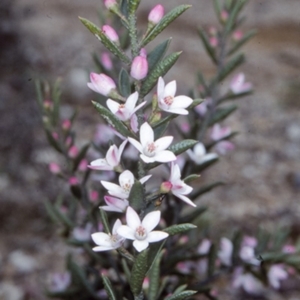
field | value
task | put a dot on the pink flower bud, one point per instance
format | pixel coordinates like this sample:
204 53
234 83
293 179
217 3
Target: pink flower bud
73 152
68 141
94 195
110 33
139 68
83 165
48 104
212 31
224 15
101 83
66 125
106 61
55 135
73 181
156 14
213 41
237 35
110 3
165 187
54 168
146 283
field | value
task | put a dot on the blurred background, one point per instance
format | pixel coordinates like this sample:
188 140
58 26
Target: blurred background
45 39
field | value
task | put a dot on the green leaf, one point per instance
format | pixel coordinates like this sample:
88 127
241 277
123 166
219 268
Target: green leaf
222 113
111 46
50 208
204 165
205 189
124 7
157 54
241 42
233 15
182 146
138 272
181 296
159 70
109 289
39 94
154 276
52 141
191 178
164 22
180 289
136 196
160 130
80 156
209 49
196 212
124 83
56 94
217 7
113 120
104 220
212 255
176 229
133 6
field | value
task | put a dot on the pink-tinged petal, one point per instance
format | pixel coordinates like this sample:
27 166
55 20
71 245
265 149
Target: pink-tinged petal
112 156
92 87
156 236
140 245
136 144
139 106
163 143
103 248
181 102
147 159
175 172
118 204
151 220
111 186
117 224
134 123
165 156
101 238
112 105
131 101
126 232
146 134
144 179
121 149
170 89
132 218
177 111
184 198
160 88
100 164
111 208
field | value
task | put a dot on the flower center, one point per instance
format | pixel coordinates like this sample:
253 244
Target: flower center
121 106
140 233
169 100
115 239
149 150
126 187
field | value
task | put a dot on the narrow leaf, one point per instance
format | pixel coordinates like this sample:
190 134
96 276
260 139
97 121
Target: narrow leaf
176 229
113 120
182 146
233 15
104 220
157 53
138 272
164 22
154 276
196 212
136 196
217 7
240 43
205 189
212 255
159 70
181 296
209 49
124 83
52 141
191 178
111 46
109 289
80 156
222 113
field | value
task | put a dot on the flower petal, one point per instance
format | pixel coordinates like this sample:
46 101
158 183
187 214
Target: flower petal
100 164
144 179
163 143
146 134
181 102
126 232
136 144
126 177
175 172
112 156
103 248
132 218
147 159
170 89
140 245
177 111
184 198
117 224
155 236
165 156
160 88
131 101
101 239
121 149
112 105
151 220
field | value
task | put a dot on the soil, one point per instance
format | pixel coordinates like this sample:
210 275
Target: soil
46 39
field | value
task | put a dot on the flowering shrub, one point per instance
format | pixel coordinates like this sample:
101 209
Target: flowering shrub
155 203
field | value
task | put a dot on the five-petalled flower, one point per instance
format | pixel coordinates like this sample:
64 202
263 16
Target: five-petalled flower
177 186
141 231
167 100
151 150
111 160
126 180
125 111
114 204
108 241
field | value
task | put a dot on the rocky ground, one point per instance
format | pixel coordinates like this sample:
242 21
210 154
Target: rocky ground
45 38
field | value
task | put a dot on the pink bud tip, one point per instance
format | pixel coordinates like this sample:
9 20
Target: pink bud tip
94 195
106 61
165 187
55 135
66 125
73 152
156 14
54 168
73 181
48 104
110 33
139 68
237 35
224 15
213 41
83 165
101 83
143 52
110 3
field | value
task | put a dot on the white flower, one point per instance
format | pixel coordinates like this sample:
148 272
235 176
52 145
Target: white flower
218 132
276 274
108 241
111 160
141 231
83 234
126 180
60 281
115 204
151 150
199 156
247 254
125 111
248 282
238 84
225 253
179 188
167 100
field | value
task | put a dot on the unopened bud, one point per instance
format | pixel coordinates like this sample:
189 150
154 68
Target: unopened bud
212 31
155 117
165 187
224 16
55 135
110 33
83 165
73 181
48 104
66 125
101 83
94 195
73 152
156 14
213 41
54 168
237 35
139 68
110 4
106 61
